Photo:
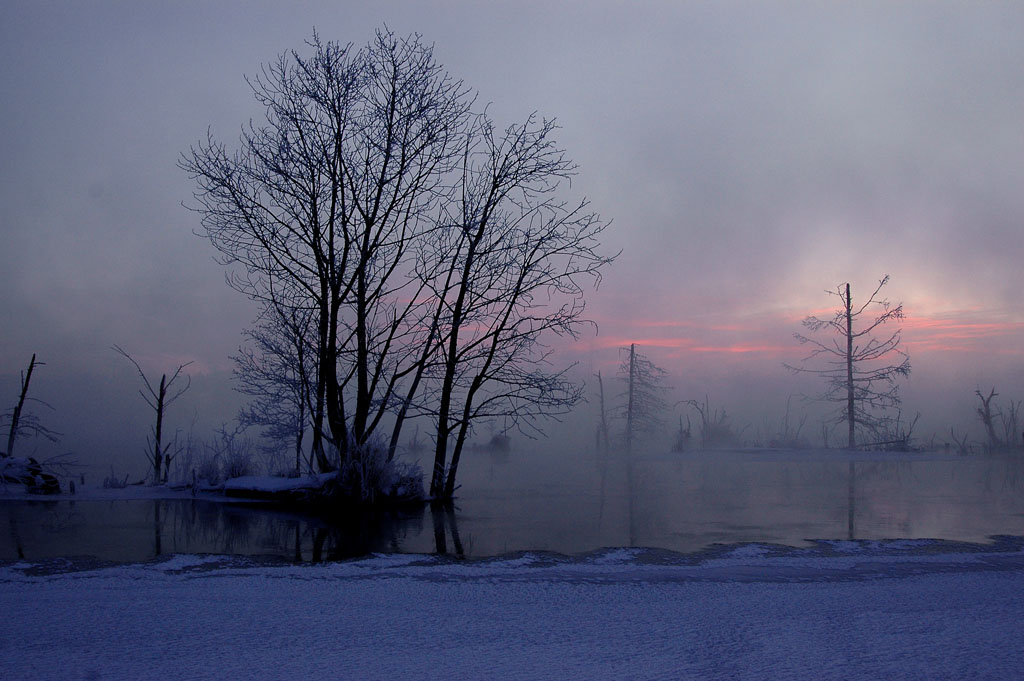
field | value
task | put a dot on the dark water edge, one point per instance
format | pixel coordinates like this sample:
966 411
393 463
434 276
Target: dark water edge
681 504
132 530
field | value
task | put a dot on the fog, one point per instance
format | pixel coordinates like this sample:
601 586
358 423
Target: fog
749 156
104 421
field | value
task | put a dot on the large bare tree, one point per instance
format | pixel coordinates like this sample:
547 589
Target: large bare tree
432 253
859 360
324 203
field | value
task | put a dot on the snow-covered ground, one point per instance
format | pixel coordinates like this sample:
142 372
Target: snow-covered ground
837 610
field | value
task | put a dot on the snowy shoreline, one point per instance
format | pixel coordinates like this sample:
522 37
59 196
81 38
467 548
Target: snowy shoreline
839 610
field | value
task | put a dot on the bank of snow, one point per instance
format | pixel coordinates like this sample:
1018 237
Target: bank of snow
841 610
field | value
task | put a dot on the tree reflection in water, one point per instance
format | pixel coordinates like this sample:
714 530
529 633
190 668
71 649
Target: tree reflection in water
681 502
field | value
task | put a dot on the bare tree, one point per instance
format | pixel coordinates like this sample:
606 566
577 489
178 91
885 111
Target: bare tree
860 368
278 371
22 422
644 395
992 414
324 205
509 271
433 255
716 427
159 399
603 435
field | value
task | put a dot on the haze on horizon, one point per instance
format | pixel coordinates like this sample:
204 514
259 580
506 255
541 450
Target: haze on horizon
751 156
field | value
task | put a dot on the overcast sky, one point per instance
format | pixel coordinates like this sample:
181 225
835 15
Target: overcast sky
750 155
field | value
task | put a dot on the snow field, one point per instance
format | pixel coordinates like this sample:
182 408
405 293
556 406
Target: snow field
744 615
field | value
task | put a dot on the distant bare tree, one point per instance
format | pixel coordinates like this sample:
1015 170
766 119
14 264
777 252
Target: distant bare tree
993 414
716 428
988 418
22 422
603 433
682 439
786 435
644 395
159 399
962 445
860 369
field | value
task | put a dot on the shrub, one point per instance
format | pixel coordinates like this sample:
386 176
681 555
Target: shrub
114 482
366 476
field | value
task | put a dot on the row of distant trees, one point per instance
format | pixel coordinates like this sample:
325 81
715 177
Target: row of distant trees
858 355
851 351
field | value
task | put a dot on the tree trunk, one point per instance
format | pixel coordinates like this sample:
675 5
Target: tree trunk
16 417
438 485
985 412
851 502
158 456
421 366
629 405
332 391
298 437
850 413
460 443
322 396
443 431
629 443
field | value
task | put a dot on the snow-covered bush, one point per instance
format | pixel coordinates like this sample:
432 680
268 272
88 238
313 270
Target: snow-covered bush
238 462
366 476
222 458
114 482
38 478
208 469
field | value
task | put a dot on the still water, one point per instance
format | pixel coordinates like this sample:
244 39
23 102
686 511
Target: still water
679 502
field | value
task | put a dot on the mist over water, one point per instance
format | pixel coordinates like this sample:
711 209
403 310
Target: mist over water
569 502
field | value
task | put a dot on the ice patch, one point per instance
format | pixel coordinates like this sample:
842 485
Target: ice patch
748 551
615 556
184 562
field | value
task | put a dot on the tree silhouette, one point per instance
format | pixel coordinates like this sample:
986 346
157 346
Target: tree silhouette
860 369
431 252
644 395
159 399
24 422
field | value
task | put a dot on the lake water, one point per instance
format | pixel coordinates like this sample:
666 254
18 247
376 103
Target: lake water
678 502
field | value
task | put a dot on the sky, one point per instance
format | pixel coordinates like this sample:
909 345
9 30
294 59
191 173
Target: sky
750 155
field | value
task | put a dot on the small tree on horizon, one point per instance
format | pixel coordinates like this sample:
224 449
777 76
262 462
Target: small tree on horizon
159 399
644 395
993 414
858 365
